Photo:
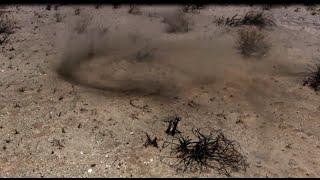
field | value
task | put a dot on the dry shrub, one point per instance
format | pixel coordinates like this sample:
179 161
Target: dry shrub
251 42
251 18
6 28
135 10
151 141
313 79
256 19
193 8
212 150
177 23
77 11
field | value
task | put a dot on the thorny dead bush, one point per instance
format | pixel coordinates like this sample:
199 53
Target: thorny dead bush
313 79
212 150
6 28
251 18
135 10
177 23
251 42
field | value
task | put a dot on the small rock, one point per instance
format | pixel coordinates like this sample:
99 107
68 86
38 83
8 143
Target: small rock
292 163
131 133
90 170
258 164
81 152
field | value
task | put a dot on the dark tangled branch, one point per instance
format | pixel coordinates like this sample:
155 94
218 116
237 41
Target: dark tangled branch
213 151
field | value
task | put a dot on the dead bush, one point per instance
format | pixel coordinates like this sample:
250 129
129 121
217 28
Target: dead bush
6 28
256 19
135 10
251 18
193 8
313 78
151 142
77 11
211 150
251 42
177 23
48 7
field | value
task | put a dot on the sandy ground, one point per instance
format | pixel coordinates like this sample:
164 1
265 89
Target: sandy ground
85 126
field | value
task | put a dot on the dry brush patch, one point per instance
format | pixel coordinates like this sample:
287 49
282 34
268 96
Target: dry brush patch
177 22
6 28
193 8
208 151
251 18
135 10
313 79
251 42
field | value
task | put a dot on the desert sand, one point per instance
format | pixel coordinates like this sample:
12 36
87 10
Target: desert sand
75 102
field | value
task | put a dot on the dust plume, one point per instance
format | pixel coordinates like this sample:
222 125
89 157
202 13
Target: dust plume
122 62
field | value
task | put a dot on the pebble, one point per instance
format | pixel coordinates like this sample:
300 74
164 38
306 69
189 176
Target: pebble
131 133
106 155
81 152
258 164
2 70
89 170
